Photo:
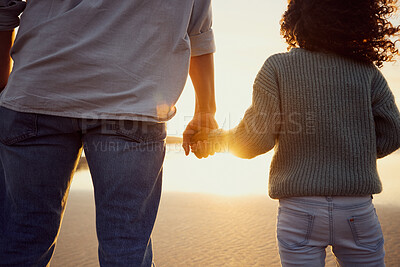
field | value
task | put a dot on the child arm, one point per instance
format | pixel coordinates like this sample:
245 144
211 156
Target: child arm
258 131
386 117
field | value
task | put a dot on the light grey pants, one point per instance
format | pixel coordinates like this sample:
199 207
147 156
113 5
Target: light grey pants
307 225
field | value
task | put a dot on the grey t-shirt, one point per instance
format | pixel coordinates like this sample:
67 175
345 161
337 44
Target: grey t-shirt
104 59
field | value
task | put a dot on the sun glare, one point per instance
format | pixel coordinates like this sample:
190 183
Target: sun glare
222 174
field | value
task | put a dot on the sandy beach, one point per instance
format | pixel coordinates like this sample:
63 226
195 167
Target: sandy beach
202 230
199 224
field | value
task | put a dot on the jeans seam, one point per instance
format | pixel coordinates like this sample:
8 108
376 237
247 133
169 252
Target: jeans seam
306 202
331 226
155 135
342 207
336 206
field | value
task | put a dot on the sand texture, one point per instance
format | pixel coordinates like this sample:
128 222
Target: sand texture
202 230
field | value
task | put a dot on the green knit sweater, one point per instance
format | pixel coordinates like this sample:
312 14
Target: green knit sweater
329 118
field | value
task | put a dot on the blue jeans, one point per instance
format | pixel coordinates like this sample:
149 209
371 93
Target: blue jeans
39 154
307 225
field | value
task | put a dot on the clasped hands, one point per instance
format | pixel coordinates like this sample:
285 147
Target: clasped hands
202 136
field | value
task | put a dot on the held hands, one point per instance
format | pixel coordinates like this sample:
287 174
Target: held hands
203 137
206 143
201 146
201 123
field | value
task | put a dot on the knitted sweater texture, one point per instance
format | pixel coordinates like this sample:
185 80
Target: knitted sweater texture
328 118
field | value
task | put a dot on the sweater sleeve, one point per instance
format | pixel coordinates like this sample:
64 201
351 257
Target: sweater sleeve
386 117
257 132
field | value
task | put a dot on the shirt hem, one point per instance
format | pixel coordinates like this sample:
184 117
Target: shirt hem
82 115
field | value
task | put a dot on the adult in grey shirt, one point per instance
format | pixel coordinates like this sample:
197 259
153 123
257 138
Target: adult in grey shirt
103 77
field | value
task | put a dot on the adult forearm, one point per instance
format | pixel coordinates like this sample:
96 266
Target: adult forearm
202 74
6 40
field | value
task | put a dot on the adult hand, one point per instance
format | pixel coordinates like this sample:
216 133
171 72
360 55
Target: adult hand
201 122
206 143
201 146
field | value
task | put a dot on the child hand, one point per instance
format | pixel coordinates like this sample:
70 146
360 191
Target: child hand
200 122
200 145
206 143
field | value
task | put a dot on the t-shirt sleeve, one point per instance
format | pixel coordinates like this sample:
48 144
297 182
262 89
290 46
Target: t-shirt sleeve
200 32
9 13
386 117
258 131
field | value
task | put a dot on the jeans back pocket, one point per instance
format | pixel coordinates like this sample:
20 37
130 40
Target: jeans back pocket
294 227
16 126
366 230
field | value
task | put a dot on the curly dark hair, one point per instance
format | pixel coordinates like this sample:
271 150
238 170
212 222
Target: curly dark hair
359 29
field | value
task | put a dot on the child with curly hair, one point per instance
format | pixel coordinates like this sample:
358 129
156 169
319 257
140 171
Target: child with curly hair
329 113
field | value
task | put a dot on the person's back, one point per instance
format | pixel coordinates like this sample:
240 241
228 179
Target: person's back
101 59
100 76
327 142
